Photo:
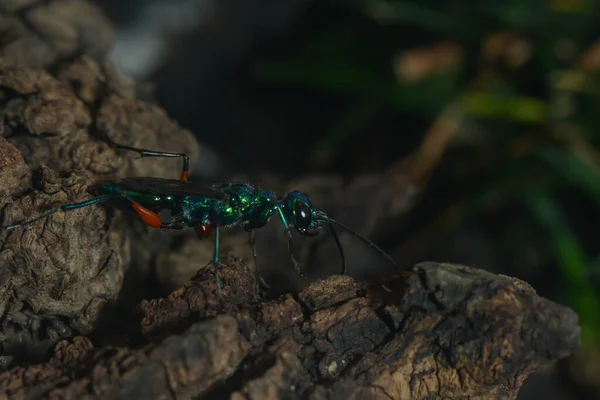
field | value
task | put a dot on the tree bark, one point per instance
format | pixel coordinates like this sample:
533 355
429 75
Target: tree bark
442 331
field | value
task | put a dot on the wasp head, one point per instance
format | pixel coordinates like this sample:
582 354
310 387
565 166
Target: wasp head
300 213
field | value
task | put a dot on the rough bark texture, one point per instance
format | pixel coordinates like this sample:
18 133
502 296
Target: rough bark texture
41 33
444 331
57 275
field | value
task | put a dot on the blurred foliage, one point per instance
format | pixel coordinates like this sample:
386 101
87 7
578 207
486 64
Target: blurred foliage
514 83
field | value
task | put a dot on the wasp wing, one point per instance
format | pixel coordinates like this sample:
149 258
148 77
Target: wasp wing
175 187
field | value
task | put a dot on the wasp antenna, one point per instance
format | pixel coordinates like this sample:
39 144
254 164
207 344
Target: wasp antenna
372 245
339 246
66 207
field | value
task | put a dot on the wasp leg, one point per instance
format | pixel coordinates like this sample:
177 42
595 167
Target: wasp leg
295 263
148 216
216 263
340 248
286 227
67 207
204 231
176 224
151 153
252 239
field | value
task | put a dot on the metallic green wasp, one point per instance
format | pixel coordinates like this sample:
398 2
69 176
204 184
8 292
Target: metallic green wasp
207 208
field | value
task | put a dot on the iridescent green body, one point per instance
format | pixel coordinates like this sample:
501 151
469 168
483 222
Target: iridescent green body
187 204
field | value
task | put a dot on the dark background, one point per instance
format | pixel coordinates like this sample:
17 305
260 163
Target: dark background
494 104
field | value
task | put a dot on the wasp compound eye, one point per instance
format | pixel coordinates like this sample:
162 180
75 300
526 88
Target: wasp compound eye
303 216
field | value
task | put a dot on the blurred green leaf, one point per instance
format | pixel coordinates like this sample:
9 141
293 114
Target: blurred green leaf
412 13
571 6
430 95
571 259
571 169
517 108
329 77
